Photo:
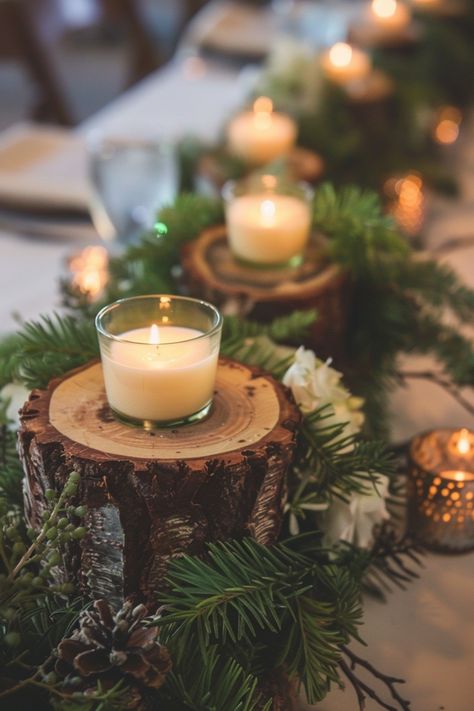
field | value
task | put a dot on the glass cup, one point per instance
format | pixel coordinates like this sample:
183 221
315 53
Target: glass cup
131 178
159 358
268 220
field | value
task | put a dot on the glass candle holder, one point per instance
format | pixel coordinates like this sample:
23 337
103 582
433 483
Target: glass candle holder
441 489
268 220
159 358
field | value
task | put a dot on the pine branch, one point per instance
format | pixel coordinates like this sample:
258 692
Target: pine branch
212 683
285 329
340 464
246 590
48 348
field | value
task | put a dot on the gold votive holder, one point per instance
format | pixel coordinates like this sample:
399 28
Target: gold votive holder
441 490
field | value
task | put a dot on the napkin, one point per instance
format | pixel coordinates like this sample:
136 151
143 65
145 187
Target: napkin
43 168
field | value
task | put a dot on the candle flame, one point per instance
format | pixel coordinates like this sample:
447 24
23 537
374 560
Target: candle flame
154 334
384 8
263 105
268 211
463 444
459 476
340 54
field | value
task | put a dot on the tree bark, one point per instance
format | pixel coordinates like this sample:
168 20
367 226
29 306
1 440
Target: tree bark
211 273
151 495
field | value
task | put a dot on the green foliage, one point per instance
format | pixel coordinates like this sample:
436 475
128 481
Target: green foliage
243 590
48 348
335 464
218 683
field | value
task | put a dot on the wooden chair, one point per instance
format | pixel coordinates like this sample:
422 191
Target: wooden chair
30 31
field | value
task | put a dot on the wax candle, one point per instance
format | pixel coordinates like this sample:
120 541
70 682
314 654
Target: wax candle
441 489
343 63
260 135
389 17
266 227
162 373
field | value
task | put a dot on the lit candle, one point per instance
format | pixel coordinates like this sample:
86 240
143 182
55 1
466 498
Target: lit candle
389 17
343 63
268 228
441 485
260 135
163 373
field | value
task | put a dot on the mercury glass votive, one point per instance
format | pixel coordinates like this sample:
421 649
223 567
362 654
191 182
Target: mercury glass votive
268 220
441 489
159 358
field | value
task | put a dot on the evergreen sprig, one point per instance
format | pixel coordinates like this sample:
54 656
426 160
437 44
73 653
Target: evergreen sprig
48 348
244 590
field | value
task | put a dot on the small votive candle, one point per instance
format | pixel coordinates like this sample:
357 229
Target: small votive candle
268 221
261 135
389 16
441 489
159 358
343 64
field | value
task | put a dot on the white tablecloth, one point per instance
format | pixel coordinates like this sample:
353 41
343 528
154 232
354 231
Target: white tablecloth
425 634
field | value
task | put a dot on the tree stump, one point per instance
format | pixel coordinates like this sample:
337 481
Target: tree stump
301 164
211 273
151 495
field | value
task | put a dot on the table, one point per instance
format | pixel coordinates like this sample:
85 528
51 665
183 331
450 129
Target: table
425 634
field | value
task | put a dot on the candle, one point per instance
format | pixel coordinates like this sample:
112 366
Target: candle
343 63
266 227
441 489
162 373
389 17
260 135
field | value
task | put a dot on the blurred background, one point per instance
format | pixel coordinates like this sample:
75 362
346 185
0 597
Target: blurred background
62 60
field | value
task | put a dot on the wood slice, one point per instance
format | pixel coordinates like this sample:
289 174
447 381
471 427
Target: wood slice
210 272
301 164
151 495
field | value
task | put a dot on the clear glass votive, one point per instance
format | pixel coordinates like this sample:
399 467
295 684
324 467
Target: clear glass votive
268 220
441 489
159 358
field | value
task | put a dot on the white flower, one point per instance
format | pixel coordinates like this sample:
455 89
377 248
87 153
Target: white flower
315 384
15 395
354 521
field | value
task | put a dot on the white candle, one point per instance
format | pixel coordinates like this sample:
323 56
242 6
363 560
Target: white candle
261 135
343 63
267 228
389 17
163 373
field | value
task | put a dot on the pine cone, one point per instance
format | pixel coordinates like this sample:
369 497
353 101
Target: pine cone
110 647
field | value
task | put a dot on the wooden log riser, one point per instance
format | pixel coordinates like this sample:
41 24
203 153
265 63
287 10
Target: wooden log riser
142 512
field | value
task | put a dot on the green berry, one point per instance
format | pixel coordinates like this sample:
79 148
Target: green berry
12 533
51 678
54 558
66 588
18 548
12 639
45 516
80 511
52 533
63 522
31 533
74 478
70 527
50 494
37 582
79 533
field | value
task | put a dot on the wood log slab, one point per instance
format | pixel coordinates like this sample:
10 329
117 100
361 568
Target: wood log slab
210 272
301 164
151 495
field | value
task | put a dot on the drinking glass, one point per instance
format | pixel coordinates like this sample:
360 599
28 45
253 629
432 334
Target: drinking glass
131 178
